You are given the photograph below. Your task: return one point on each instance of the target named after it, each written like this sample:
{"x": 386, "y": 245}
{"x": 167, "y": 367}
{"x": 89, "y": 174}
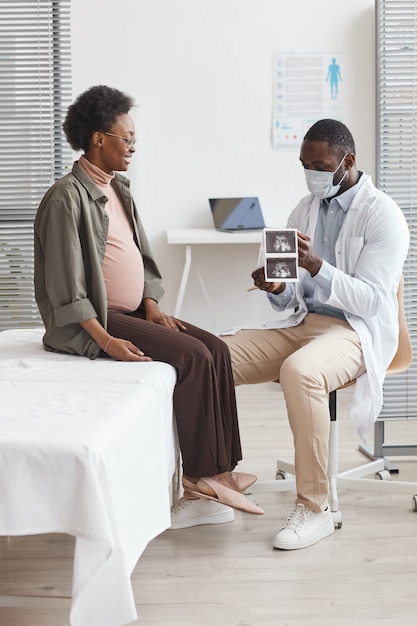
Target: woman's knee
{"x": 211, "y": 347}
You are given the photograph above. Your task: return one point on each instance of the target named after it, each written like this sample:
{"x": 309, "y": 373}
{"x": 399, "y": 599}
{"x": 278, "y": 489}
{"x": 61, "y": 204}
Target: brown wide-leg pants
{"x": 204, "y": 395}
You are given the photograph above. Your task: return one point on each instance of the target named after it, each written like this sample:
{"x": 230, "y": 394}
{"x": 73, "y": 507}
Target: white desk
{"x": 204, "y": 236}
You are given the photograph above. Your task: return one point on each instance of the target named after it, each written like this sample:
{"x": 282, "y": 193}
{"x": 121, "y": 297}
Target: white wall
{"x": 201, "y": 71}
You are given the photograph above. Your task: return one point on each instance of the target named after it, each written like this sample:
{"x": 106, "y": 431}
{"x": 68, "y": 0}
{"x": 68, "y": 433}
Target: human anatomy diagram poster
{"x": 306, "y": 87}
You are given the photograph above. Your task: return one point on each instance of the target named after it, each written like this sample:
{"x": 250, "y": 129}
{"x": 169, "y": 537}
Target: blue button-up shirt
{"x": 331, "y": 216}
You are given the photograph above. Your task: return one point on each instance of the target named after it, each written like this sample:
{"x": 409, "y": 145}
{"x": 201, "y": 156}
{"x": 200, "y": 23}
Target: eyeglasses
{"x": 129, "y": 141}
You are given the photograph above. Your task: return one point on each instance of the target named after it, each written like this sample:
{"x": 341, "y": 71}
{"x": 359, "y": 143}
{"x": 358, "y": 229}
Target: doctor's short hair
{"x": 96, "y": 109}
{"x": 337, "y": 135}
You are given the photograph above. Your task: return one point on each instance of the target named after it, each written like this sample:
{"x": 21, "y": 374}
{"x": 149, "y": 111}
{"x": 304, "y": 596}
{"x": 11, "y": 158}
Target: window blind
{"x": 35, "y": 79}
{"x": 396, "y": 64}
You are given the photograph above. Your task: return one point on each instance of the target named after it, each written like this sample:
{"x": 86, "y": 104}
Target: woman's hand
{"x": 123, "y": 350}
{"x": 155, "y": 315}
{"x": 118, "y": 349}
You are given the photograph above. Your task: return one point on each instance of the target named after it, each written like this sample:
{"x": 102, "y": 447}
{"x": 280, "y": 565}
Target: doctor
{"x": 342, "y": 320}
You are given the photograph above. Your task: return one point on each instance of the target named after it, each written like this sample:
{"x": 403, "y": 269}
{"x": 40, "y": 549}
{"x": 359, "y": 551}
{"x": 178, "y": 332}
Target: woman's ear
{"x": 96, "y": 139}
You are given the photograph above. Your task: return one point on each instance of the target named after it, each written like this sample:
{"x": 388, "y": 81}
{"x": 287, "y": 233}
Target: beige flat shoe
{"x": 207, "y": 486}
{"x": 242, "y": 480}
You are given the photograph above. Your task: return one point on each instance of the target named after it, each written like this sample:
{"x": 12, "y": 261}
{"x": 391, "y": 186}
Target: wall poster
{"x": 306, "y": 87}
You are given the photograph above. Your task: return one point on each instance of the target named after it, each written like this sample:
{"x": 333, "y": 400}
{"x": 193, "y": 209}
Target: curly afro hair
{"x": 337, "y": 135}
{"x": 94, "y": 110}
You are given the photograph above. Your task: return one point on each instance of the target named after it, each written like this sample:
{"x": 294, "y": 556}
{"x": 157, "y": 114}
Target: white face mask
{"x": 320, "y": 184}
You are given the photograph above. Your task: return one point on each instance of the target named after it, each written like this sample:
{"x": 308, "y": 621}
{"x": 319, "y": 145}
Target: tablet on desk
{"x": 236, "y": 214}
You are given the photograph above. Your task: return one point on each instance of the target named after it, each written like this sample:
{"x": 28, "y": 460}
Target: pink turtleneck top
{"x": 122, "y": 264}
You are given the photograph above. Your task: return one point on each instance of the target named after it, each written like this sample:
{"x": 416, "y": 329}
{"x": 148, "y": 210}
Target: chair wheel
{"x": 280, "y": 475}
{"x": 337, "y": 519}
{"x": 383, "y": 475}
{"x": 414, "y": 503}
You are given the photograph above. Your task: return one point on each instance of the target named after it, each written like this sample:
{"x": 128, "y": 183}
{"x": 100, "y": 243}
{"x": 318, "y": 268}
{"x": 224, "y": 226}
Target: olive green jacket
{"x": 71, "y": 228}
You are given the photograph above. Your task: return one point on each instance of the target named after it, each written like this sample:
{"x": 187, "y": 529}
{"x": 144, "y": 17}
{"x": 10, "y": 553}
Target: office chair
{"x": 353, "y": 478}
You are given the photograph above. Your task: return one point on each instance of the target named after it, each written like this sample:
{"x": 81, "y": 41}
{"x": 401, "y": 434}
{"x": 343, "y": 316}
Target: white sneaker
{"x": 186, "y": 513}
{"x": 303, "y": 528}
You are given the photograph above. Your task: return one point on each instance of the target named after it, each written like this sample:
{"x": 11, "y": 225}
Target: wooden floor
{"x": 229, "y": 575}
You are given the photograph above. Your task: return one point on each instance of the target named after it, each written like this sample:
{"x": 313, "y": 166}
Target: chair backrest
{"x": 404, "y": 355}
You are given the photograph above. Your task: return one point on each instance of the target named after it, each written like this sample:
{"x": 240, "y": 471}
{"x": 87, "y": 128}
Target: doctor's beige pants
{"x": 309, "y": 360}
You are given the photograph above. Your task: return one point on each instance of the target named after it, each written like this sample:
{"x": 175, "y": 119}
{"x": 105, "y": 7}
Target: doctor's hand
{"x": 259, "y": 281}
{"x": 307, "y": 258}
